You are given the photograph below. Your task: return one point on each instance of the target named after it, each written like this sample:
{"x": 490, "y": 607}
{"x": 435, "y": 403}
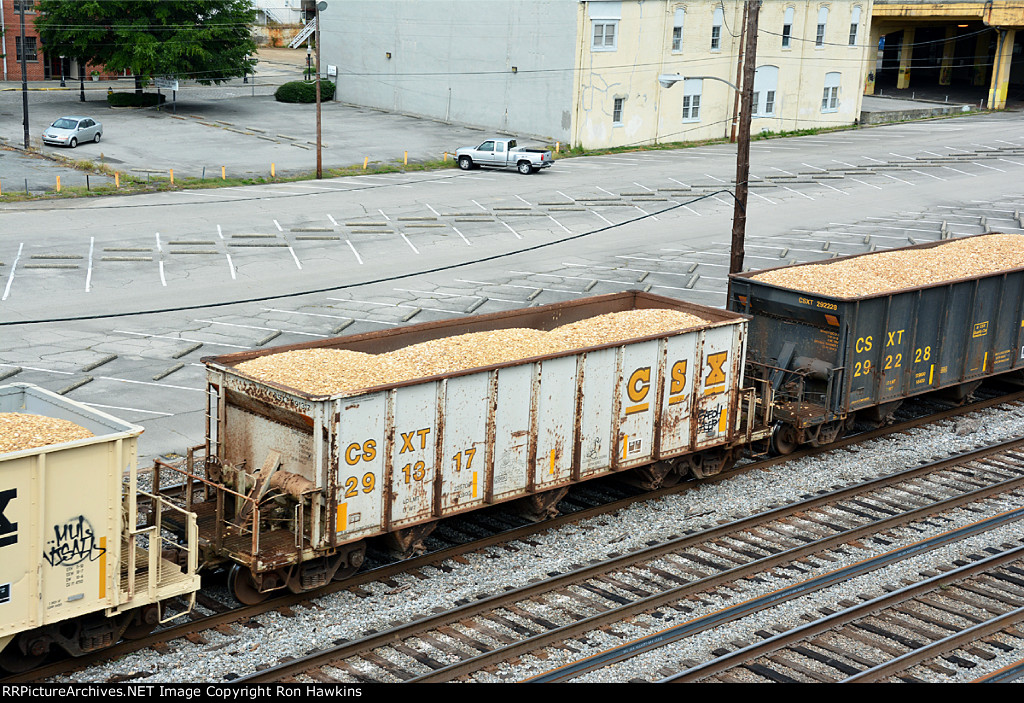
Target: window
{"x": 787, "y": 27}
{"x": 29, "y": 5}
{"x": 604, "y": 36}
{"x": 819, "y": 39}
{"x": 30, "y": 48}
{"x": 830, "y": 98}
{"x": 692, "y": 88}
{"x": 486, "y": 146}
{"x": 677, "y": 30}
{"x": 617, "y": 111}
{"x": 854, "y": 25}
{"x": 716, "y": 29}
{"x": 604, "y": 16}
{"x": 766, "y": 82}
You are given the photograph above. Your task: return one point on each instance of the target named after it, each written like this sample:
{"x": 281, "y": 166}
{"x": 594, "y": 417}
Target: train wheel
{"x": 784, "y": 439}
{"x": 711, "y": 462}
{"x": 541, "y": 506}
{"x": 352, "y": 561}
{"x": 21, "y": 655}
{"x": 660, "y": 474}
{"x": 144, "y": 622}
{"x": 242, "y": 586}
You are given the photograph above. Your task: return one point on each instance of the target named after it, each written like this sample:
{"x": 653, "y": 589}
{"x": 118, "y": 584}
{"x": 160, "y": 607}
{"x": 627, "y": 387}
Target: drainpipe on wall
{"x": 3, "y": 42}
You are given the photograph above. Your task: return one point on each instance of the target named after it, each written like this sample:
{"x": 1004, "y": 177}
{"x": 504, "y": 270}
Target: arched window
{"x": 830, "y": 98}
{"x": 766, "y": 83}
{"x": 819, "y": 39}
{"x": 716, "y": 29}
{"x": 677, "y": 29}
{"x": 787, "y": 27}
{"x": 854, "y": 25}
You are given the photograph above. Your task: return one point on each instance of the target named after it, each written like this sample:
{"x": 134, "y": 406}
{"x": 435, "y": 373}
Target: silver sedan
{"x": 69, "y": 131}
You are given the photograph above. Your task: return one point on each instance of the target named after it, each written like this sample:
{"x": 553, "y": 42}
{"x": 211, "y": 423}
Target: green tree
{"x": 208, "y": 41}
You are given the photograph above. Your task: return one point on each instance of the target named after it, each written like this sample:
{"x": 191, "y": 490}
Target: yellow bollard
{"x": 446, "y": 156}
{"x": 117, "y": 179}
{"x": 172, "y": 176}
{"x": 272, "y": 173}
{"x": 558, "y": 146}
{"x": 222, "y": 176}
{"x": 365, "y": 162}
{"x": 406, "y": 159}
{"x": 58, "y": 184}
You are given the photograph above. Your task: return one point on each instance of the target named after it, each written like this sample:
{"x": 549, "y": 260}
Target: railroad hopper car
{"x": 296, "y": 483}
{"x": 830, "y": 359}
{"x": 77, "y": 572}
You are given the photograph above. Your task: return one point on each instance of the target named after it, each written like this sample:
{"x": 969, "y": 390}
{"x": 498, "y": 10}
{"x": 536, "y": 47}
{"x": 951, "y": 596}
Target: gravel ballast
{"x": 345, "y": 615}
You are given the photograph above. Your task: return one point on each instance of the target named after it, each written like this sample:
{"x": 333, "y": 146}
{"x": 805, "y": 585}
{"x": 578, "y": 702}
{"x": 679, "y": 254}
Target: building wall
{"x": 502, "y": 65}
{"x": 531, "y": 67}
{"x": 651, "y": 113}
{"x": 10, "y": 66}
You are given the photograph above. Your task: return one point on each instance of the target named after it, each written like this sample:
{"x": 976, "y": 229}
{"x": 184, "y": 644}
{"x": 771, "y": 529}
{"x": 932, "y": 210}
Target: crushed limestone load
{"x": 19, "y": 431}
{"x": 889, "y": 271}
{"x": 322, "y": 371}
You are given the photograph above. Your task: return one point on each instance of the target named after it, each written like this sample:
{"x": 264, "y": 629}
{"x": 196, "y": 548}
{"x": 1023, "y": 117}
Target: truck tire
{"x": 465, "y": 163}
{"x": 525, "y": 168}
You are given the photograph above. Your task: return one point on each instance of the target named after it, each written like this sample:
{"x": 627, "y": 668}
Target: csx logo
{"x": 8, "y": 529}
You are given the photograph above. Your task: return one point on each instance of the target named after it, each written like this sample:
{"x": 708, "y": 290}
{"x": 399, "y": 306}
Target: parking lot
{"x": 237, "y": 127}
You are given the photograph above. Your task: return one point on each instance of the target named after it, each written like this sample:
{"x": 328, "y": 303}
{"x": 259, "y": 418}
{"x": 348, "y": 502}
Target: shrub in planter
{"x": 303, "y": 92}
{"x": 135, "y": 99}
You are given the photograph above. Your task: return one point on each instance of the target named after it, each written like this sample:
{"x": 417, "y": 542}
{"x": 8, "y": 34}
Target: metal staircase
{"x": 302, "y": 36}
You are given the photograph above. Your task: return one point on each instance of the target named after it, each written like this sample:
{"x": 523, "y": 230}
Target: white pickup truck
{"x": 503, "y": 153}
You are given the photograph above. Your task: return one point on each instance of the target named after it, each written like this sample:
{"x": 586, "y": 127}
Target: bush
{"x": 135, "y": 99}
{"x": 303, "y": 92}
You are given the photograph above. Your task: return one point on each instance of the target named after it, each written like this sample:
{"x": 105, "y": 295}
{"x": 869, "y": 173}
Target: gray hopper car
{"x": 301, "y": 481}
{"x": 77, "y": 572}
{"x": 831, "y": 359}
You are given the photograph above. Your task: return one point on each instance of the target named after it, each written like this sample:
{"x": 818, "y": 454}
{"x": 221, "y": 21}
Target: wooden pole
{"x": 739, "y": 218}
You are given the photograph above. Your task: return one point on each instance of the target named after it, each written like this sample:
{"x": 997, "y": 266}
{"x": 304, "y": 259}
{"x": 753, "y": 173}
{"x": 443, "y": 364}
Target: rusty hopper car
{"x": 830, "y": 359}
{"x": 75, "y": 572}
{"x": 301, "y": 481}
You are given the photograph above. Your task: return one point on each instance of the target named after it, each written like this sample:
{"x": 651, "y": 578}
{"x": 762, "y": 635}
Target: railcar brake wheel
{"x": 242, "y": 586}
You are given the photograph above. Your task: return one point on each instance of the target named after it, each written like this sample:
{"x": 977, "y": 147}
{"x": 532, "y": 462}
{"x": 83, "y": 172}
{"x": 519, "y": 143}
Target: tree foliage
{"x": 208, "y": 41}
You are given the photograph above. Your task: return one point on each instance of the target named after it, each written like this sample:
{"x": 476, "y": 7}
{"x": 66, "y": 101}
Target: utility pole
{"x": 739, "y": 76}
{"x": 319, "y": 156}
{"x": 24, "y": 77}
{"x": 739, "y": 217}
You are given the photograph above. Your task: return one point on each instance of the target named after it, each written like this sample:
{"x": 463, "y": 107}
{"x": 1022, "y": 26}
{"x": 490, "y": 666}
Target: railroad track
{"x": 226, "y": 618}
{"x": 974, "y": 608}
{"x": 558, "y": 614}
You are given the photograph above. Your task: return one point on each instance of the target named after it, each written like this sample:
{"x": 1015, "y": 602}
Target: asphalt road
{"x": 116, "y": 300}
{"x": 236, "y": 126}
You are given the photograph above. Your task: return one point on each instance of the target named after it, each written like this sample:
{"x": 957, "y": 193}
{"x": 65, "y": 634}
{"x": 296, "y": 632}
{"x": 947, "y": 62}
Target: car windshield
{"x": 65, "y": 123}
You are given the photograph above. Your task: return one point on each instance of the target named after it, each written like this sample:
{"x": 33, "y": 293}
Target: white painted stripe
{"x": 130, "y": 410}
{"x": 10, "y": 277}
{"x": 88, "y": 274}
{"x": 179, "y": 339}
{"x": 263, "y": 329}
{"x": 461, "y": 235}
{"x": 160, "y": 251}
{"x": 358, "y": 258}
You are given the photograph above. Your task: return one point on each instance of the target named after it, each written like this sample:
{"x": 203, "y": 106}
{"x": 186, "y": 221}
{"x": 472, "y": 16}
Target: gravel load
{"x": 325, "y": 371}
{"x": 20, "y": 431}
{"x": 898, "y": 269}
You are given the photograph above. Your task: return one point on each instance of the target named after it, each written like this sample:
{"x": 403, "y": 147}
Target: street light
{"x": 62, "y": 83}
{"x": 739, "y": 216}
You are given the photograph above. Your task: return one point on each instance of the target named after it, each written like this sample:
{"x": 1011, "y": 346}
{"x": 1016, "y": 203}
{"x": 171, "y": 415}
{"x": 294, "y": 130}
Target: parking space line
{"x": 179, "y": 339}
{"x": 865, "y": 183}
{"x": 462, "y": 235}
{"x": 35, "y": 368}
{"x": 160, "y": 251}
{"x": 88, "y": 273}
{"x": 560, "y": 224}
{"x": 262, "y": 329}
{"x": 358, "y": 258}
{"x": 798, "y": 192}
{"x": 10, "y": 276}
{"x": 124, "y": 409}
{"x": 333, "y": 317}
{"x": 402, "y": 234}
